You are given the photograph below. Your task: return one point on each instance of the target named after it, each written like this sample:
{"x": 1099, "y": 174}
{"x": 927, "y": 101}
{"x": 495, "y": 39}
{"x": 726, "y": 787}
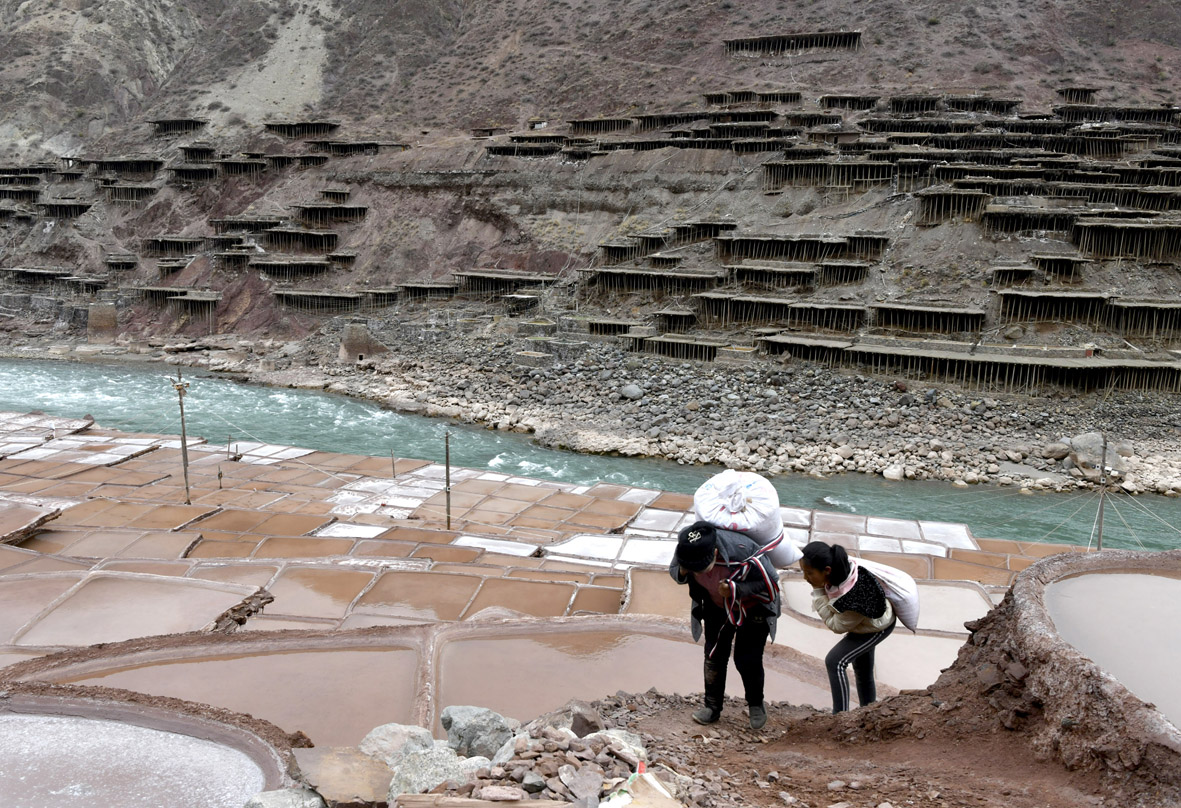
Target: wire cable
{"x": 1045, "y": 535}
{"x": 1131, "y": 532}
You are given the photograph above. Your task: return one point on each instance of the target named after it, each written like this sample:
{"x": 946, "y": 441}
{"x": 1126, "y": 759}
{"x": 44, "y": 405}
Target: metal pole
{"x": 1102, "y": 494}
{"x": 447, "y": 473}
{"x": 181, "y": 388}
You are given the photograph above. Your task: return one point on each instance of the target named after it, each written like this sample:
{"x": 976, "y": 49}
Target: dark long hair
{"x": 820, "y": 555}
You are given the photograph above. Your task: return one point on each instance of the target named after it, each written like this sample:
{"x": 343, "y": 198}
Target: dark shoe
{"x": 707, "y": 715}
{"x": 758, "y": 716}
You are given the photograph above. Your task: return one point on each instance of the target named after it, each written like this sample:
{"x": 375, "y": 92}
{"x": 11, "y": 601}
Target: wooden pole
{"x": 447, "y": 473}
{"x": 181, "y": 388}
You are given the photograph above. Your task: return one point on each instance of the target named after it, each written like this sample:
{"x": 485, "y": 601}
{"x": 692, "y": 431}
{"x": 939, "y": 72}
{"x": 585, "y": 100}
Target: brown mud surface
{"x": 818, "y": 761}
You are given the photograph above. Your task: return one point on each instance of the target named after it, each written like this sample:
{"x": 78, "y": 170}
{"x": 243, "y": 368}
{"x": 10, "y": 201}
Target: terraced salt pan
{"x": 419, "y": 595}
{"x": 588, "y": 664}
{"x": 1127, "y": 624}
{"x": 335, "y": 695}
{"x": 114, "y": 606}
{"x": 61, "y": 762}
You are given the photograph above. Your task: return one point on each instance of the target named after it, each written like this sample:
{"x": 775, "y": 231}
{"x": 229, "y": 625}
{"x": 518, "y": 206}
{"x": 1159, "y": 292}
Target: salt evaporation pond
{"x": 139, "y": 398}
{"x": 64, "y": 761}
{"x": 596, "y": 663}
{"x": 1127, "y": 624}
{"x": 335, "y": 695}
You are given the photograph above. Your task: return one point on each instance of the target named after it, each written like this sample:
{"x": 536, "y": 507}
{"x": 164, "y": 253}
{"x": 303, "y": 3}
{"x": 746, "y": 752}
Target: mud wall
{"x": 1017, "y": 672}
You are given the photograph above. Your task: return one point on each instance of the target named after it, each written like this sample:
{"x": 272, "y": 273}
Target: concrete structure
{"x": 357, "y": 343}
{"x": 102, "y": 323}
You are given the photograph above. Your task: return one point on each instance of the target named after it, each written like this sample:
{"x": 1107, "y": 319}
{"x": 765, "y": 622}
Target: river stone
{"x": 419, "y": 772}
{"x": 631, "y": 391}
{"x": 510, "y": 748}
{"x": 533, "y": 782}
{"x": 894, "y": 472}
{"x": 1055, "y": 451}
{"x": 477, "y": 730}
{"x": 583, "y": 783}
{"x": 389, "y": 743}
{"x": 286, "y": 798}
{"x": 498, "y": 793}
{"x": 578, "y": 716}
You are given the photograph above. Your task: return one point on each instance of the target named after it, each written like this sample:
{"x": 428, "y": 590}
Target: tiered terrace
{"x": 101, "y": 524}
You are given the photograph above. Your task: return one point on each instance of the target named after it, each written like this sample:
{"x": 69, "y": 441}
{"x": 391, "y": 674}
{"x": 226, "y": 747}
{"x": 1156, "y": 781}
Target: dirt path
{"x": 805, "y": 758}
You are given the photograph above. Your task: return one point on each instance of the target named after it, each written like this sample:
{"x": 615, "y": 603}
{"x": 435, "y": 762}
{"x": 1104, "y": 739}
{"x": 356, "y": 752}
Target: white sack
{"x": 748, "y": 503}
{"x": 900, "y": 590}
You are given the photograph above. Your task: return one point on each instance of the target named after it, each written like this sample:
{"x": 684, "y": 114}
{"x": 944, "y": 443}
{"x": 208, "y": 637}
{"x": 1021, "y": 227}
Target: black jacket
{"x": 755, "y": 581}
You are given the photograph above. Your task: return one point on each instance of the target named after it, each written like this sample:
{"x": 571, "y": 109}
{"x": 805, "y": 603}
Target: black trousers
{"x": 858, "y": 650}
{"x": 748, "y": 641}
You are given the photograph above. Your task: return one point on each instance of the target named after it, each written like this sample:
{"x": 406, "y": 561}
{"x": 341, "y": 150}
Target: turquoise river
{"x": 140, "y": 398}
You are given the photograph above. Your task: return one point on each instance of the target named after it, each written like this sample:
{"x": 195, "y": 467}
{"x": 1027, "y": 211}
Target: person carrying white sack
{"x": 851, "y": 601}
{"x": 746, "y": 502}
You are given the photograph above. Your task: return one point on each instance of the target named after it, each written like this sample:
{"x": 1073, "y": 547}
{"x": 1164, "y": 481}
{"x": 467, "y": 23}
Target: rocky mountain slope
{"x": 85, "y": 79}
{"x": 82, "y": 73}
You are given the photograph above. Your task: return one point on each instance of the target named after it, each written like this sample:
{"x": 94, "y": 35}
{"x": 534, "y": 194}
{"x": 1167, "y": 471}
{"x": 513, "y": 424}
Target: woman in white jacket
{"x": 850, "y": 601}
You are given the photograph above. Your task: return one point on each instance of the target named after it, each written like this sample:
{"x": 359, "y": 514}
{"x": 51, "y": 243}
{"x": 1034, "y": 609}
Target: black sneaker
{"x": 706, "y": 715}
{"x": 758, "y": 716}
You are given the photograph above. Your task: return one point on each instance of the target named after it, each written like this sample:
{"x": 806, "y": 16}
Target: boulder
{"x": 477, "y": 730}
{"x": 1087, "y": 451}
{"x": 514, "y": 745}
{"x": 577, "y": 716}
{"x": 419, "y": 772}
{"x": 584, "y": 783}
{"x": 343, "y": 775}
{"x": 389, "y": 743}
{"x": 1056, "y": 450}
{"x": 631, "y": 391}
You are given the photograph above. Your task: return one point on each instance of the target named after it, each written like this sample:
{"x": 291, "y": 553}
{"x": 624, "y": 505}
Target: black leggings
{"x": 748, "y": 640}
{"x": 858, "y": 650}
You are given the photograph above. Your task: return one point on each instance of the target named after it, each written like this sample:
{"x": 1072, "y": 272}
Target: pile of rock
{"x": 566, "y": 756}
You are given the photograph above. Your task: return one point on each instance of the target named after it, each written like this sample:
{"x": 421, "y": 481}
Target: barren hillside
{"x": 79, "y": 73}
{"x": 398, "y": 89}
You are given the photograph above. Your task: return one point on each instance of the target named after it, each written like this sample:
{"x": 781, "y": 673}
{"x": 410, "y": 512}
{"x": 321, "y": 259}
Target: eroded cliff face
{"x": 75, "y": 71}
{"x": 437, "y": 208}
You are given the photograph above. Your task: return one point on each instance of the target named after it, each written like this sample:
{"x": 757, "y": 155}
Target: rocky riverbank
{"x": 770, "y": 418}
